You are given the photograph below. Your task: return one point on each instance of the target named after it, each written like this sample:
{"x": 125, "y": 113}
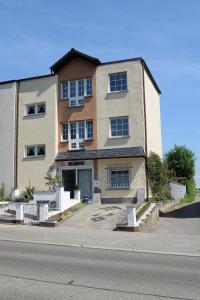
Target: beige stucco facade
{"x": 7, "y": 134}
{"x": 120, "y": 104}
{"x": 137, "y": 177}
{"x": 154, "y": 139}
{"x": 37, "y": 130}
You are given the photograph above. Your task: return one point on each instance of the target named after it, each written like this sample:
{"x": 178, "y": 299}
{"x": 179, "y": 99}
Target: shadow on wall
{"x": 117, "y": 142}
{"x": 39, "y": 85}
{"x": 115, "y": 96}
{"x": 187, "y": 212}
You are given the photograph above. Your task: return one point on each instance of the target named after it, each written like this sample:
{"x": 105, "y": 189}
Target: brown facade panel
{"x": 76, "y": 69}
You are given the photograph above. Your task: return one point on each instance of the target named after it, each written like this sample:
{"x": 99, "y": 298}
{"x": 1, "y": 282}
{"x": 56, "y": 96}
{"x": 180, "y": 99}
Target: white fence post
{"x": 43, "y": 212}
{"x": 131, "y": 212}
{"x": 77, "y": 195}
{"x": 19, "y": 212}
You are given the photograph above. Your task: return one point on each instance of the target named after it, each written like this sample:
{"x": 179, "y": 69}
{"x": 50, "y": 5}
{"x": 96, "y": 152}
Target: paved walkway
{"x": 96, "y": 216}
{"x": 184, "y": 220}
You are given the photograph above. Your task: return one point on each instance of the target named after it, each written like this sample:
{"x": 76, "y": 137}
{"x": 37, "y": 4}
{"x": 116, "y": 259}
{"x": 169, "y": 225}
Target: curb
{"x": 103, "y": 248}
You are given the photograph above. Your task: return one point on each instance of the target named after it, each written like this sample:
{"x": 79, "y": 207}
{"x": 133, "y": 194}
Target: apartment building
{"x": 92, "y": 122}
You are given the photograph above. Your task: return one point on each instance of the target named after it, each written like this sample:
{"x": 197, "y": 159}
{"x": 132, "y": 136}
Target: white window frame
{"x": 114, "y": 74}
{"x": 76, "y": 100}
{"x": 35, "y": 105}
{"x": 110, "y": 127}
{"x": 35, "y": 149}
{"x": 77, "y": 140}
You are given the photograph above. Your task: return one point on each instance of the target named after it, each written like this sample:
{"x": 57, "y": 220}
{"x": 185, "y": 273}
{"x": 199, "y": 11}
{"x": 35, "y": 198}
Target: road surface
{"x": 36, "y": 271}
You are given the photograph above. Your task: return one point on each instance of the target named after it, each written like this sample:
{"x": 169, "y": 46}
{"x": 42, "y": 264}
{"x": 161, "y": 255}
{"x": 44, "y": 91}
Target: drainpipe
{"x": 16, "y": 136}
{"x": 145, "y": 126}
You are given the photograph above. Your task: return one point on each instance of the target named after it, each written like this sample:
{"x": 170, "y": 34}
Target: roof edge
{"x": 26, "y": 78}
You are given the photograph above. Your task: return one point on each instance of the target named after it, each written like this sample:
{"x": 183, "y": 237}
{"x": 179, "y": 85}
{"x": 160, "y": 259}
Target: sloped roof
{"x": 73, "y": 53}
{"x": 101, "y": 154}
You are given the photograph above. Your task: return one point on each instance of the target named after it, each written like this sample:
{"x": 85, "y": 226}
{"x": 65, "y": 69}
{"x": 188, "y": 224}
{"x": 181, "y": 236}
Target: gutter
{"x": 145, "y": 126}
{"x": 16, "y": 135}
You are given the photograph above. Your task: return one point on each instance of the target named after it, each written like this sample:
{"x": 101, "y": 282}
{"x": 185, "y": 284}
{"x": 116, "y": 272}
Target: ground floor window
{"x": 118, "y": 176}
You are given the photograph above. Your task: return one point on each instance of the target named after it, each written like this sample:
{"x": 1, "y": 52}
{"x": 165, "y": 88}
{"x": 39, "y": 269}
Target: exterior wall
{"x": 77, "y": 69}
{"x": 154, "y": 139}
{"x": 118, "y": 104}
{"x": 137, "y": 177}
{"x": 7, "y": 134}
{"x": 34, "y": 130}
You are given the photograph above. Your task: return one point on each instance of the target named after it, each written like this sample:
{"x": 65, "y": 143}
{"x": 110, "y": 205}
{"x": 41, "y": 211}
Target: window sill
{"x": 64, "y": 141}
{"x": 117, "y": 92}
{"x": 36, "y": 116}
{"x": 75, "y": 106}
{"x": 119, "y": 137}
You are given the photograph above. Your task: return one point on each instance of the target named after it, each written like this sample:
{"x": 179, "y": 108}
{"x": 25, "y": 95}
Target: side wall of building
{"x": 154, "y": 138}
{"x": 119, "y": 104}
{"x": 37, "y": 130}
{"x": 7, "y": 134}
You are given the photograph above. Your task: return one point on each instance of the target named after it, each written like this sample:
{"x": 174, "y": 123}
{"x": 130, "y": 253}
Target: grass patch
{"x": 142, "y": 209}
{"x": 187, "y": 199}
{"x": 69, "y": 213}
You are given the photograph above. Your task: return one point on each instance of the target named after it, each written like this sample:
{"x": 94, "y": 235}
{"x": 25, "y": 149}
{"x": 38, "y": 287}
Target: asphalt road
{"x": 35, "y": 271}
{"x": 184, "y": 220}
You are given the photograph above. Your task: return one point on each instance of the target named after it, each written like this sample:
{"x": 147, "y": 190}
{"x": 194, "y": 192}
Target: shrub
{"x": 27, "y": 195}
{"x": 158, "y": 178}
{"x": 191, "y": 189}
{"x": 53, "y": 181}
{"x": 3, "y": 195}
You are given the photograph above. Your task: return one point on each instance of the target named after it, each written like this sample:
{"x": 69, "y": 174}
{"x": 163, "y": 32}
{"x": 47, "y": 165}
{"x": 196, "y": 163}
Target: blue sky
{"x": 34, "y": 34}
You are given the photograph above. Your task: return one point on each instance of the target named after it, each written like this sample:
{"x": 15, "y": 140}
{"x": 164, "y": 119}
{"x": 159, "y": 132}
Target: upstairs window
{"x": 118, "y": 82}
{"x": 65, "y": 131}
{"x": 76, "y": 90}
{"x": 35, "y": 151}
{"x": 35, "y": 109}
{"x": 119, "y": 127}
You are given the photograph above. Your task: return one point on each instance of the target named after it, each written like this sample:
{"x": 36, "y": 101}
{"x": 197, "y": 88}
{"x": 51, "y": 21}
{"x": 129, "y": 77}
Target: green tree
{"x": 53, "y": 181}
{"x": 158, "y": 177}
{"x": 181, "y": 162}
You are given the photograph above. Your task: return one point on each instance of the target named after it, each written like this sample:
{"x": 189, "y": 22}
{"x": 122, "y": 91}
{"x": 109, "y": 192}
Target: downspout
{"x": 16, "y": 136}
{"x": 145, "y": 128}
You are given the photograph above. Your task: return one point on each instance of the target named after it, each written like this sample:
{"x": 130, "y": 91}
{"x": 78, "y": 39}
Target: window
{"x": 77, "y": 132}
{"x": 76, "y": 90}
{"x": 65, "y": 131}
{"x": 118, "y": 176}
{"x": 89, "y": 129}
{"x": 119, "y": 127}
{"x": 118, "y": 82}
{"x": 35, "y": 109}
{"x": 119, "y": 179}
{"x": 35, "y": 151}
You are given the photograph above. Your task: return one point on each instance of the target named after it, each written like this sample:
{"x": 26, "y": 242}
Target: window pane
{"x": 89, "y": 86}
{"x": 41, "y": 108}
{"x": 64, "y": 90}
{"x": 81, "y": 129}
{"x": 72, "y": 88}
{"x": 65, "y": 131}
{"x": 40, "y": 150}
{"x": 81, "y": 87}
{"x": 73, "y": 131}
{"x": 31, "y": 110}
{"x": 118, "y": 82}
{"x": 30, "y": 151}
{"x": 89, "y": 129}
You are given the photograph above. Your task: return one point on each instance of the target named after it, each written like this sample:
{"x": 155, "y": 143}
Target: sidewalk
{"x": 153, "y": 242}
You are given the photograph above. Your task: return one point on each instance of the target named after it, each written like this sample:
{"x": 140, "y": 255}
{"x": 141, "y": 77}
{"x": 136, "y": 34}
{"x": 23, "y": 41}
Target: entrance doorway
{"x": 78, "y": 177}
{"x": 69, "y": 181}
